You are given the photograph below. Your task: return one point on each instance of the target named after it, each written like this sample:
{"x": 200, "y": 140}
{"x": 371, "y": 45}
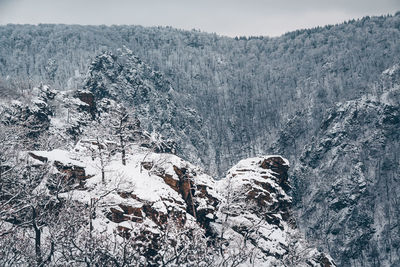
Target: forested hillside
{"x": 243, "y": 88}
{"x": 325, "y": 98}
{"x": 346, "y": 176}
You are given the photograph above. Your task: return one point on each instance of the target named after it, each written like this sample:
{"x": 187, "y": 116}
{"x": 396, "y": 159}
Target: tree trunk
{"x": 121, "y": 140}
{"x": 38, "y": 250}
{"x": 103, "y": 178}
{"x": 91, "y": 217}
{"x": 123, "y": 157}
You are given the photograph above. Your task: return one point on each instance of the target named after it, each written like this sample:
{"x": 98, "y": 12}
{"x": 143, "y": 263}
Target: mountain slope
{"x": 346, "y": 182}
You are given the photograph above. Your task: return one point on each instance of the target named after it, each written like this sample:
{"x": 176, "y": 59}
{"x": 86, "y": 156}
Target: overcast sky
{"x": 226, "y": 17}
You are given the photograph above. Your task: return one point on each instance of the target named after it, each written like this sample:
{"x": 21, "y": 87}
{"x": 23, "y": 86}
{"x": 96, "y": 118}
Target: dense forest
{"x": 244, "y": 88}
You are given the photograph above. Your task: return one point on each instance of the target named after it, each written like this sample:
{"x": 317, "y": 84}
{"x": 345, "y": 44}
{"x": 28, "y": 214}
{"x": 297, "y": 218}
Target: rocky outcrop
{"x": 124, "y": 78}
{"x": 257, "y": 207}
{"x": 249, "y": 211}
{"x": 74, "y": 173}
{"x": 87, "y": 98}
{"x": 200, "y": 199}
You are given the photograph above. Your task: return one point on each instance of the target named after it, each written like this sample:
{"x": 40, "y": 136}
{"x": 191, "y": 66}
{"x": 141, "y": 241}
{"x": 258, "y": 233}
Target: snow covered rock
{"x": 246, "y": 217}
{"x": 256, "y": 207}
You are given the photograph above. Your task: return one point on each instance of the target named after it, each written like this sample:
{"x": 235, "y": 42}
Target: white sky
{"x": 226, "y": 17}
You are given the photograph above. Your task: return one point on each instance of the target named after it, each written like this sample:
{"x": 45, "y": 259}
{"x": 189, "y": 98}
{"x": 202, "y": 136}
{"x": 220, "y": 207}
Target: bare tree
{"x": 27, "y": 206}
{"x": 121, "y": 130}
